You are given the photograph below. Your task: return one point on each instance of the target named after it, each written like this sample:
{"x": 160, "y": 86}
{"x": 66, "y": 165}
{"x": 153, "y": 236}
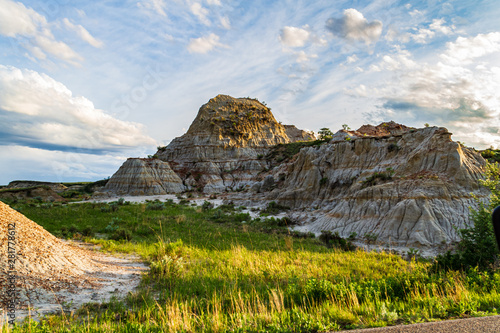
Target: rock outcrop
{"x": 224, "y": 146}
{"x": 405, "y": 186}
{"x": 144, "y": 176}
{"x": 39, "y": 192}
{"x": 22, "y": 184}
{"x": 408, "y": 187}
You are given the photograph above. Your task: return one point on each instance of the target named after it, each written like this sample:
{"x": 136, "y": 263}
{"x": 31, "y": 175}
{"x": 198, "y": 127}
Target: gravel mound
{"x": 48, "y": 269}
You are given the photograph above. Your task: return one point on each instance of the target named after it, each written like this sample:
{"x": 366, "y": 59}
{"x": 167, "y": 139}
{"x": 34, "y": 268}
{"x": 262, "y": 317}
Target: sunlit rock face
{"x": 143, "y": 176}
{"x": 408, "y": 187}
{"x": 224, "y": 146}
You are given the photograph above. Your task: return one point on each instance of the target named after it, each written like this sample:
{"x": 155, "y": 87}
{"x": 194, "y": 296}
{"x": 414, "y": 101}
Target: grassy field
{"x": 217, "y": 270}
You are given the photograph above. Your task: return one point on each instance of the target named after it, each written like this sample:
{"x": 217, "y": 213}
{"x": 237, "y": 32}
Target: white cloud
{"x": 157, "y": 6}
{"x": 302, "y": 56}
{"x": 225, "y": 23}
{"x": 465, "y": 50}
{"x": 18, "y": 163}
{"x": 438, "y": 26}
{"x": 294, "y": 37}
{"x": 38, "y": 111}
{"x": 456, "y": 92}
{"x": 352, "y": 59}
{"x": 200, "y": 12}
{"x": 423, "y": 35}
{"x": 354, "y": 26}
{"x": 204, "y": 44}
{"x": 83, "y": 34}
{"x": 416, "y": 13}
{"x": 214, "y": 2}
{"x": 18, "y": 21}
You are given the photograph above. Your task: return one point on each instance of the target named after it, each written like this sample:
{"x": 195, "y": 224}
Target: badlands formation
{"x": 404, "y": 186}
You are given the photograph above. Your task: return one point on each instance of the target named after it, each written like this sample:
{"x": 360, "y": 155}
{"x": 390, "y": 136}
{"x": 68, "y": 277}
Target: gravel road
{"x": 470, "y": 325}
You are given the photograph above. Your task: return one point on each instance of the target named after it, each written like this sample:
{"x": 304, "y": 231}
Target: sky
{"x": 86, "y": 84}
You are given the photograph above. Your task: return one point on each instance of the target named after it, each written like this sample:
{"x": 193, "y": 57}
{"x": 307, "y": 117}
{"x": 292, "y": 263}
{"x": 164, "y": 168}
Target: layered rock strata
{"x": 224, "y": 146}
{"x": 143, "y": 176}
{"x": 404, "y": 186}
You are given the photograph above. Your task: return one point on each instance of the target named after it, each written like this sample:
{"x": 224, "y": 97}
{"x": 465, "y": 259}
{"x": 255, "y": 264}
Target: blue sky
{"x": 86, "y": 84}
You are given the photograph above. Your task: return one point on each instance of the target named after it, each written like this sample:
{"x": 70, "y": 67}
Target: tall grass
{"x": 224, "y": 275}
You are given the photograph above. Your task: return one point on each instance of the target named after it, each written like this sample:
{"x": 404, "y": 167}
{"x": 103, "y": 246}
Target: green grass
{"x": 212, "y": 272}
{"x": 285, "y": 151}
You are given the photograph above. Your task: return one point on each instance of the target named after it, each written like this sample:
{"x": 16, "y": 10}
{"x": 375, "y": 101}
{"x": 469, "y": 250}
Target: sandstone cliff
{"x": 142, "y": 176}
{"x": 404, "y": 186}
{"x": 224, "y": 145}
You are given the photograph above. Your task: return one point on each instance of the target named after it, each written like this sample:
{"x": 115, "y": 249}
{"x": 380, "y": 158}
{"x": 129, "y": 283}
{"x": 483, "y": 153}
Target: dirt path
{"x": 120, "y": 275}
{"x": 470, "y": 325}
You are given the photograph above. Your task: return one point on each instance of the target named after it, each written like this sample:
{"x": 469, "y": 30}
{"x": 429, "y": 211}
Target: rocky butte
{"x": 402, "y": 186}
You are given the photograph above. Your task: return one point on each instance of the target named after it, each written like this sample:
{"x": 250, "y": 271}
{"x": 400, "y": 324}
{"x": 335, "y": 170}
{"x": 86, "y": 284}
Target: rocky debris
{"x": 142, "y": 176}
{"x": 224, "y": 146}
{"x": 407, "y": 189}
{"x": 41, "y": 192}
{"x": 50, "y": 271}
{"x": 22, "y": 184}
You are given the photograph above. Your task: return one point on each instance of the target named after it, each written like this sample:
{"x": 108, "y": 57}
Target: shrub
{"x": 70, "y": 194}
{"x": 371, "y": 237}
{"x": 300, "y": 234}
{"x": 112, "y": 226}
{"x": 274, "y": 208}
{"x": 478, "y": 247}
{"x": 393, "y": 147}
{"x": 88, "y": 231}
{"x": 383, "y": 176}
{"x": 325, "y": 134}
{"x": 207, "y": 205}
{"x": 155, "y": 206}
{"x": 121, "y": 234}
{"x": 334, "y": 240}
{"x": 323, "y": 181}
{"x": 111, "y": 207}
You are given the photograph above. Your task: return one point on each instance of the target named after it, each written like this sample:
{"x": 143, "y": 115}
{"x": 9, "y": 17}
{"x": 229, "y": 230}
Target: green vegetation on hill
{"x": 285, "y": 151}
{"x": 492, "y": 155}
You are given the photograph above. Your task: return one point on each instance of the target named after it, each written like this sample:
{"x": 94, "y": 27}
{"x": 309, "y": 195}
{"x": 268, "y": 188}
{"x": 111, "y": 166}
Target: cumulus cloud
{"x": 156, "y": 6}
{"x": 294, "y": 37}
{"x": 37, "y": 111}
{"x": 355, "y": 27}
{"x": 18, "y": 21}
{"x": 83, "y": 33}
{"x": 204, "y": 44}
{"x": 465, "y": 50}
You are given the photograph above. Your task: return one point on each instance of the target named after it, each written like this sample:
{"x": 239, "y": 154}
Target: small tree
{"x": 325, "y": 134}
{"x": 478, "y": 246}
{"x": 345, "y": 127}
